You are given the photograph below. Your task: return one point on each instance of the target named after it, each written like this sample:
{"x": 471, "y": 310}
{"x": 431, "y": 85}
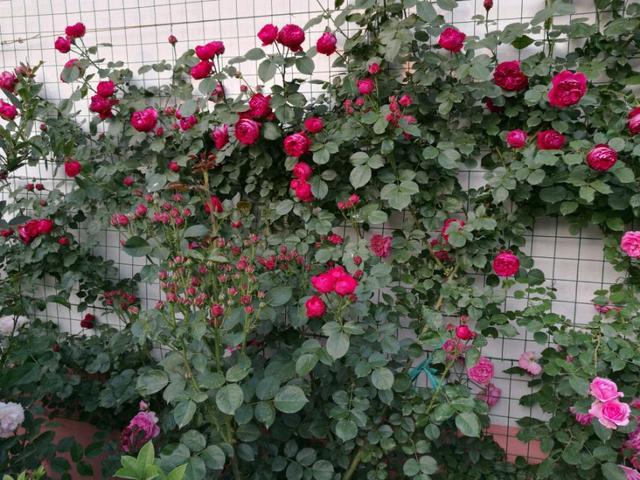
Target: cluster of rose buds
{"x": 351, "y": 202}
{"x": 120, "y": 298}
{"x": 72, "y": 32}
{"x": 439, "y": 245}
{"x": 335, "y": 280}
{"x": 7, "y": 111}
{"x": 32, "y": 229}
{"x": 205, "y": 54}
{"x": 104, "y": 100}
{"x": 302, "y": 172}
{"x": 397, "y": 112}
{"x": 30, "y": 187}
{"x": 290, "y": 36}
{"x": 282, "y": 261}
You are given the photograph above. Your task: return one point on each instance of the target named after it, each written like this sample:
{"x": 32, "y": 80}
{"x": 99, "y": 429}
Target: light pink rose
{"x": 581, "y": 418}
{"x": 482, "y": 371}
{"x": 527, "y": 361}
{"x": 611, "y": 414}
{"x": 630, "y": 473}
{"x": 490, "y": 395}
{"x": 630, "y": 244}
{"x": 604, "y": 389}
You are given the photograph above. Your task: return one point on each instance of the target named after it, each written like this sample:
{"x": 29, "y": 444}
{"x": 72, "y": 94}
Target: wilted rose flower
{"x": 509, "y": 76}
{"x": 527, "y": 362}
{"x": 291, "y": 36}
{"x": 482, "y": 371}
{"x": 142, "y": 428}
{"x": 11, "y": 417}
{"x": 490, "y": 395}
{"x": 581, "y": 418}
{"x": 550, "y": 140}
{"x": 452, "y": 39}
{"x": 602, "y": 157}
{"x": 567, "y": 89}
{"x": 327, "y": 43}
{"x": 76, "y": 31}
{"x": 506, "y": 264}
{"x": 247, "y": 131}
{"x": 630, "y": 244}
{"x": 268, "y": 34}
{"x": 453, "y": 224}
{"x": 380, "y": 245}
{"x": 517, "y": 138}
{"x": 144, "y": 120}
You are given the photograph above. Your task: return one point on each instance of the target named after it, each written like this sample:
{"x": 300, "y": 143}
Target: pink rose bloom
{"x": 72, "y": 168}
{"x": 634, "y": 121}
{"x": 633, "y": 440}
{"x": 106, "y": 88}
{"x": 291, "y": 36}
{"x": 268, "y": 34}
{"x": 75, "y": 31}
{"x": 490, "y": 395}
{"x": 581, "y": 418}
{"x": 102, "y": 106}
{"x": 247, "y": 131}
{"x": 454, "y": 348}
{"x": 142, "y": 428}
{"x": 346, "y": 285}
{"x": 374, "y": 68}
{"x": 506, "y": 264}
{"x": 303, "y": 191}
{"x": 187, "y": 123}
{"x": 550, "y": 140}
{"x": 602, "y": 157}
{"x": 8, "y": 81}
{"x": 366, "y": 86}
{"x": 315, "y": 307}
{"x": 297, "y": 144}
{"x": 527, "y": 361}
{"x": 567, "y": 89}
{"x": 611, "y": 414}
{"x": 62, "y": 44}
{"x": 630, "y": 473}
{"x": 144, "y": 120}
{"x": 482, "y": 371}
{"x": 517, "y": 138}
{"x": 201, "y": 70}
{"x": 327, "y": 43}
{"x": 630, "y": 244}
{"x": 452, "y": 39}
{"x": 603, "y": 389}
{"x": 509, "y": 76}
{"x": 210, "y": 50}
{"x": 7, "y": 111}
{"x": 220, "y": 136}
{"x": 314, "y": 124}
{"x": 302, "y": 171}
{"x": 380, "y": 245}
{"x": 323, "y": 283}
{"x": 260, "y": 105}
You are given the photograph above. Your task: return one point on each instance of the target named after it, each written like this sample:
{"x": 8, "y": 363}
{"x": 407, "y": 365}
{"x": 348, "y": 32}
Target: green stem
{"x": 357, "y": 458}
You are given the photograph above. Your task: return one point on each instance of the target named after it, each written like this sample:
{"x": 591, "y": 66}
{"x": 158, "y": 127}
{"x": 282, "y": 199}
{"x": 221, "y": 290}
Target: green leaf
{"x": 290, "y": 399}
{"x": 382, "y": 378}
{"x": 229, "y": 398}
{"x": 214, "y": 457}
{"x": 254, "y": 54}
{"x": 305, "y": 65}
{"x": 579, "y": 385}
{"x": 177, "y": 473}
{"x": 360, "y": 176}
{"x": 196, "y": 231}
{"x": 306, "y": 363}
{"x": 611, "y": 471}
{"x": 468, "y": 424}
{"x": 522, "y": 42}
{"x": 337, "y": 345}
{"x": 284, "y": 207}
{"x": 625, "y": 175}
{"x": 137, "y": 247}
{"x": 426, "y": 12}
{"x": 183, "y": 413}
{"x": 278, "y": 296}
{"x": 322, "y": 470}
{"x": 266, "y": 70}
{"x": 346, "y": 430}
{"x": 447, "y": 4}
{"x": 151, "y": 382}
{"x": 377, "y": 217}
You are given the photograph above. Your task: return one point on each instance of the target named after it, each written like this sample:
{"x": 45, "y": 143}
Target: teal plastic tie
{"x": 426, "y": 368}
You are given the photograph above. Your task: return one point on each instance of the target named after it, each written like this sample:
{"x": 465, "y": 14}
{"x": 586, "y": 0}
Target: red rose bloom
{"x": 76, "y": 31}
{"x": 303, "y": 191}
{"x": 302, "y": 171}
{"x": 550, "y": 140}
{"x": 268, "y": 34}
{"x": 602, "y": 158}
{"x": 314, "y": 124}
{"x": 452, "y": 39}
{"x": 463, "y": 332}
{"x": 7, "y": 111}
{"x": 204, "y": 52}
{"x": 102, "y": 106}
{"x": 8, "y": 81}
{"x": 346, "y": 285}
{"x": 323, "y": 283}
{"x": 88, "y": 321}
{"x": 488, "y": 5}
{"x": 220, "y": 136}
{"x": 374, "y": 68}
{"x": 315, "y": 307}
{"x": 45, "y": 226}
{"x": 567, "y": 89}
{"x": 509, "y": 76}
{"x": 291, "y": 36}
{"x": 380, "y": 245}
{"x": 214, "y": 204}
{"x": 63, "y": 241}
{"x": 259, "y": 106}
{"x": 247, "y": 131}
{"x": 201, "y": 70}
{"x": 506, "y": 264}
{"x": 72, "y": 168}
{"x": 327, "y": 43}
{"x": 62, "y": 44}
{"x": 517, "y": 138}
{"x": 144, "y": 120}
{"x": 188, "y": 122}
{"x": 634, "y": 121}
{"x": 297, "y": 144}
{"x": 492, "y": 107}
{"x": 366, "y": 86}
{"x": 106, "y": 88}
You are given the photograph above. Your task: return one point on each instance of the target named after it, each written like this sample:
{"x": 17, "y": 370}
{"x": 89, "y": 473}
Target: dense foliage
{"x": 293, "y": 238}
